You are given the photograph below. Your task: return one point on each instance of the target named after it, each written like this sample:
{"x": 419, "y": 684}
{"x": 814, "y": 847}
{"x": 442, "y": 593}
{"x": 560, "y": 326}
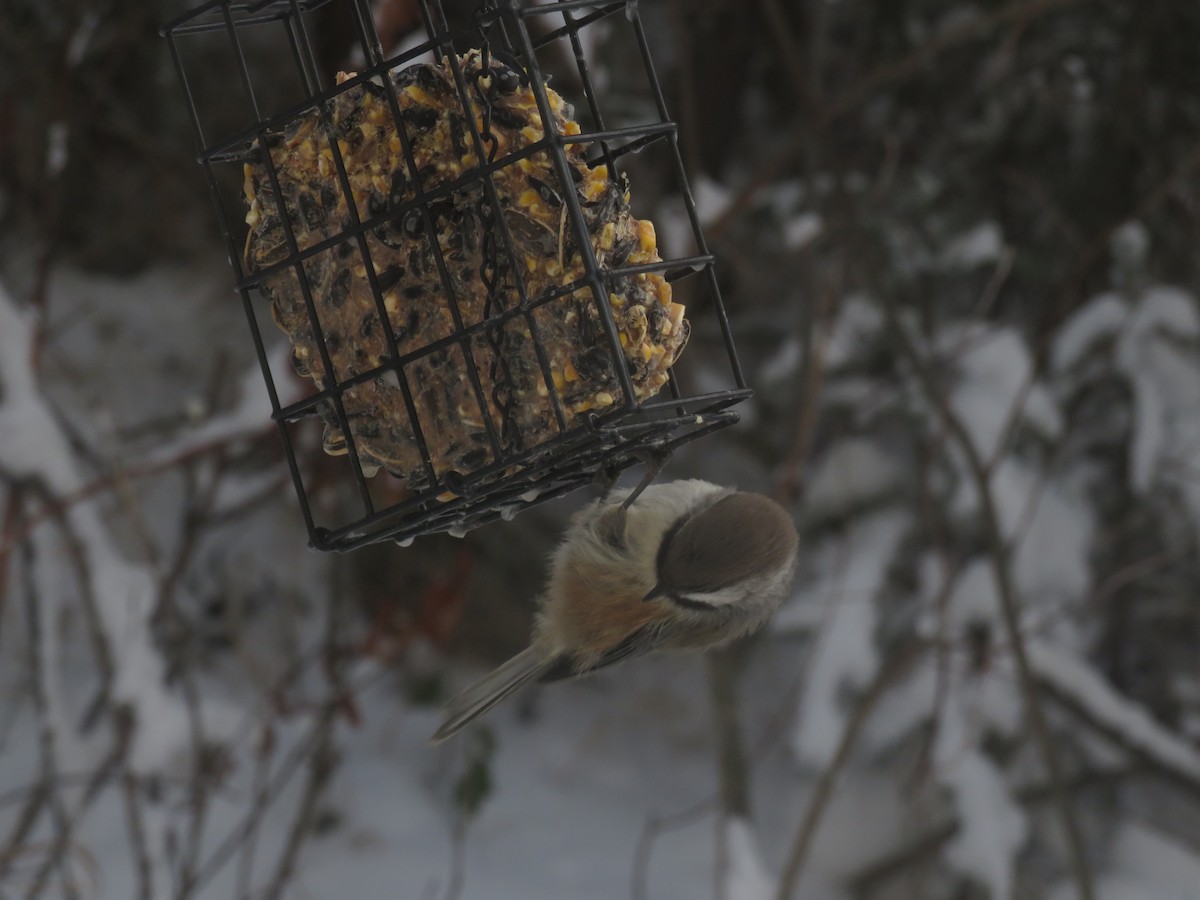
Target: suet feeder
{"x": 480, "y": 319}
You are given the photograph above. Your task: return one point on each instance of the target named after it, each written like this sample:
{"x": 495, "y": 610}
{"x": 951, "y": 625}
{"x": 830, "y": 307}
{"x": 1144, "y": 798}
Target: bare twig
{"x": 320, "y": 767}
{"x": 137, "y": 835}
{"x": 884, "y": 678}
{"x": 731, "y": 755}
{"x": 1125, "y": 723}
{"x": 873, "y": 876}
{"x": 653, "y": 827}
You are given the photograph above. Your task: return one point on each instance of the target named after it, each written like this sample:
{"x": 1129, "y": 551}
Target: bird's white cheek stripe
{"x": 723, "y": 597}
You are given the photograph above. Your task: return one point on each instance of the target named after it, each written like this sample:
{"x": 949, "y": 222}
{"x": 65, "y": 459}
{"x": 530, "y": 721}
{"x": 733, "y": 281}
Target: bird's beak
{"x": 655, "y": 592}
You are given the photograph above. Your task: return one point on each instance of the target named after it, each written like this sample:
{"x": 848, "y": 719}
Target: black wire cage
{"x": 501, "y": 405}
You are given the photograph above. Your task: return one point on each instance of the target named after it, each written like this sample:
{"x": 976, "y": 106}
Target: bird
{"x": 683, "y": 565}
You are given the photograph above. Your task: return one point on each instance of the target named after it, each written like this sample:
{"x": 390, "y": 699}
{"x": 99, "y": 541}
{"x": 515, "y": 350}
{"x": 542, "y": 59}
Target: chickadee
{"x": 687, "y": 566}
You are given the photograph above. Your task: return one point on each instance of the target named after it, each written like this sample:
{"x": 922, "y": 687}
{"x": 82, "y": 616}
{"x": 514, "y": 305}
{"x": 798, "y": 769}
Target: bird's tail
{"x": 499, "y": 684}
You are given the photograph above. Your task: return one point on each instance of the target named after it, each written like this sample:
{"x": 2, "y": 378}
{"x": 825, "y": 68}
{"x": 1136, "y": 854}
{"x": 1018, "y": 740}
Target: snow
{"x": 35, "y": 447}
{"x": 992, "y": 826}
{"x": 1130, "y": 243}
{"x": 1144, "y": 864}
{"x": 784, "y": 362}
{"x": 1050, "y": 529}
{"x": 712, "y": 199}
{"x": 993, "y": 369}
{"x": 802, "y": 229}
{"x": 1099, "y": 319}
{"x": 580, "y": 768}
{"x": 57, "y": 150}
{"x": 859, "y": 321}
{"x": 746, "y": 876}
{"x": 849, "y": 573}
{"x": 852, "y": 473}
{"x": 978, "y": 246}
{"x": 1070, "y": 676}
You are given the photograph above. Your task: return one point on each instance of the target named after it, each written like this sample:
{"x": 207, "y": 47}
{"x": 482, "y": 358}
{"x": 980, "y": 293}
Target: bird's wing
{"x": 645, "y": 639}
{"x": 497, "y": 685}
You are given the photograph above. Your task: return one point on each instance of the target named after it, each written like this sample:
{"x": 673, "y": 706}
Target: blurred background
{"x": 956, "y": 241}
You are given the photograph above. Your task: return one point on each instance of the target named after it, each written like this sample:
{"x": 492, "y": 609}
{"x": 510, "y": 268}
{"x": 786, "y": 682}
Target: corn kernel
{"x": 569, "y": 372}
{"x": 528, "y": 197}
{"x": 604, "y": 398}
{"x": 606, "y": 236}
{"x": 646, "y": 236}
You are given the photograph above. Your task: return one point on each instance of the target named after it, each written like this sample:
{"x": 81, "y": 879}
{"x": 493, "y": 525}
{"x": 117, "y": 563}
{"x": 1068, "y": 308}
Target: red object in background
{"x": 433, "y": 615}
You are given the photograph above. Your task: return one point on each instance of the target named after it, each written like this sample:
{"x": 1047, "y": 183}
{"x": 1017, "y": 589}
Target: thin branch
{"x": 137, "y": 834}
{"x": 101, "y": 777}
{"x": 884, "y": 678}
{"x": 731, "y": 754}
{"x": 654, "y": 826}
{"x": 870, "y": 878}
{"x": 320, "y": 767}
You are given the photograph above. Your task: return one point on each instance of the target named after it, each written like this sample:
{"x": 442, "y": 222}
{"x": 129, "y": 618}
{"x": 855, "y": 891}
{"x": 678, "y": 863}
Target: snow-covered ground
{"x": 608, "y": 788}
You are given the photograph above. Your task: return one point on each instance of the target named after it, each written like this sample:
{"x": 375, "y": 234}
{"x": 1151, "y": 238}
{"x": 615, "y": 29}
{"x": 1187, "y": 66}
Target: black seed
{"x": 388, "y": 235}
{"x": 424, "y": 76}
{"x": 414, "y": 292}
{"x": 421, "y": 118}
{"x": 399, "y": 189}
{"x": 505, "y": 81}
{"x": 333, "y": 341}
{"x": 310, "y": 210}
{"x": 414, "y": 319}
{"x": 458, "y": 136}
{"x": 377, "y": 203}
{"x": 593, "y": 362}
{"x": 367, "y": 325}
{"x": 344, "y": 249}
{"x": 621, "y": 251}
{"x": 389, "y": 276}
{"x": 547, "y": 193}
{"x": 340, "y": 289}
{"x": 656, "y": 317}
{"x": 412, "y": 223}
{"x": 508, "y": 118}
{"x": 474, "y": 459}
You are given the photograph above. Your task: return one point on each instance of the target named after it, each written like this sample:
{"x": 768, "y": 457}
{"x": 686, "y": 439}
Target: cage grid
{"x": 508, "y": 472}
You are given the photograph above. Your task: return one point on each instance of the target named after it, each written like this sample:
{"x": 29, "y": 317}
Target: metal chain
{"x": 492, "y": 270}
